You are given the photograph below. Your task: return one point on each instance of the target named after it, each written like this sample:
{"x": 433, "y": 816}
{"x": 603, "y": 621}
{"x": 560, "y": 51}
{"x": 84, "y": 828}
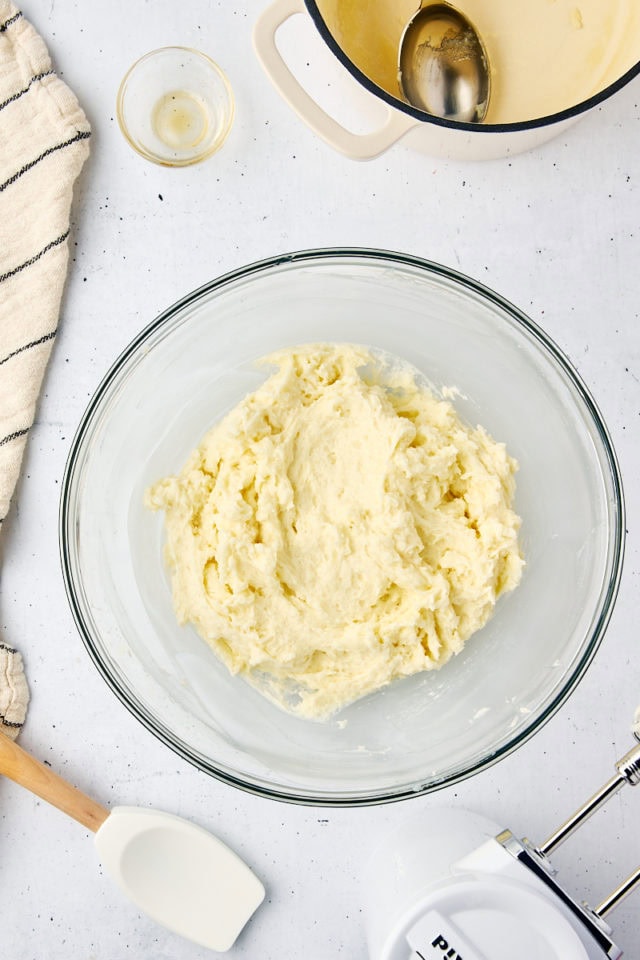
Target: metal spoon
{"x": 443, "y": 66}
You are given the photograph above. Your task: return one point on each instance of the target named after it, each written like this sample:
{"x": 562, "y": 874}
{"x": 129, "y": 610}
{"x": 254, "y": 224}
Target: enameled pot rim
{"x": 483, "y": 128}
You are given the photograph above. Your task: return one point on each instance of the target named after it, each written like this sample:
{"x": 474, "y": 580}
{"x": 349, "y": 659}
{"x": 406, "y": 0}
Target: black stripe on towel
{"x": 7, "y": 23}
{"x": 28, "y": 346}
{"x": 14, "y": 436}
{"x": 80, "y": 135}
{"x": 5, "y": 646}
{"x": 35, "y": 257}
{"x": 10, "y": 723}
{"x": 21, "y": 93}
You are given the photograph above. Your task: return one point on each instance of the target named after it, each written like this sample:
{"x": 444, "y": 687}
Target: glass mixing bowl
{"x": 194, "y": 363}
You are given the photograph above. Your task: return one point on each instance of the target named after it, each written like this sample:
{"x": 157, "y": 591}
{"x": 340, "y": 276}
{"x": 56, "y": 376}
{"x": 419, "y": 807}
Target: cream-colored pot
{"x": 551, "y": 62}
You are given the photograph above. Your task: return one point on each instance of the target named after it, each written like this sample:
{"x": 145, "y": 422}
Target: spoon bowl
{"x": 443, "y": 67}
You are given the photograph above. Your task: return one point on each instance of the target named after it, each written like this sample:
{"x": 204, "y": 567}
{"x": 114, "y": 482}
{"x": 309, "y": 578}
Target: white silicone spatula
{"x": 174, "y": 871}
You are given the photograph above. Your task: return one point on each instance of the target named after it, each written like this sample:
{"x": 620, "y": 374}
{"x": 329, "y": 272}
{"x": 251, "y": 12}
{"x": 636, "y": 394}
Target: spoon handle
{"x": 25, "y": 770}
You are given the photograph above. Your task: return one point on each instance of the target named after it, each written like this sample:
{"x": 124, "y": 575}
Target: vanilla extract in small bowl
{"x": 180, "y": 119}
{"x": 175, "y": 106}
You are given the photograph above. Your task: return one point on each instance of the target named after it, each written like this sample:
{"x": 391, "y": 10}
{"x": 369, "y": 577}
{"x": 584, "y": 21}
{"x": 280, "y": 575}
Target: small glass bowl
{"x": 175, "y": 106}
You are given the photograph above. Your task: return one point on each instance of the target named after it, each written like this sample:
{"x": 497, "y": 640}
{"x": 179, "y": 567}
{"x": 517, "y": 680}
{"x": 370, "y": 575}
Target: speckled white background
{"x": 556, "y": 231}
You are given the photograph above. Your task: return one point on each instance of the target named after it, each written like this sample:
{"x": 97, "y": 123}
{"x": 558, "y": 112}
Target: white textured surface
{"x": 555, "y": 231}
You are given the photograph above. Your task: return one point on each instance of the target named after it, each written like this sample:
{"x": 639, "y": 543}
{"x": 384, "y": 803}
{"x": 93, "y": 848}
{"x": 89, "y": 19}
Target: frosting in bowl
{"x": 340, "y": 528}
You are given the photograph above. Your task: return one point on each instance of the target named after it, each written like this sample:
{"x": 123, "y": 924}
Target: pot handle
{"x": 357, "y": 146}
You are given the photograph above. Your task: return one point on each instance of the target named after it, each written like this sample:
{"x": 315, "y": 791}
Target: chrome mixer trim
{"x": 537, "y": 863}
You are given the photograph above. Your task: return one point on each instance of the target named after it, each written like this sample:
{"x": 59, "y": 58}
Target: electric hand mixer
{"x": 462, "y": 888}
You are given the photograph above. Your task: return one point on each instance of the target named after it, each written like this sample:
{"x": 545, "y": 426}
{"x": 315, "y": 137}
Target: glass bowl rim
{"x": 303, "y": 796}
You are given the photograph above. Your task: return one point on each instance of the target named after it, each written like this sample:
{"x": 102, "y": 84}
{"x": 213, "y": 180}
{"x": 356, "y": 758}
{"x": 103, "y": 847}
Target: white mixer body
{"x": 442, "y": 887}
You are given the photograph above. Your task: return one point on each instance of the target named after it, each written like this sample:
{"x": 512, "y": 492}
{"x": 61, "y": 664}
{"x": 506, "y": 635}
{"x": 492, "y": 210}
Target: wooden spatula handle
{"x": 20, "y": 766}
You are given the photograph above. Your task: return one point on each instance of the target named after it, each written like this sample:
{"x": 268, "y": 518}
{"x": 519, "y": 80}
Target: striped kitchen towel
{"x": 43, "y": 145}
